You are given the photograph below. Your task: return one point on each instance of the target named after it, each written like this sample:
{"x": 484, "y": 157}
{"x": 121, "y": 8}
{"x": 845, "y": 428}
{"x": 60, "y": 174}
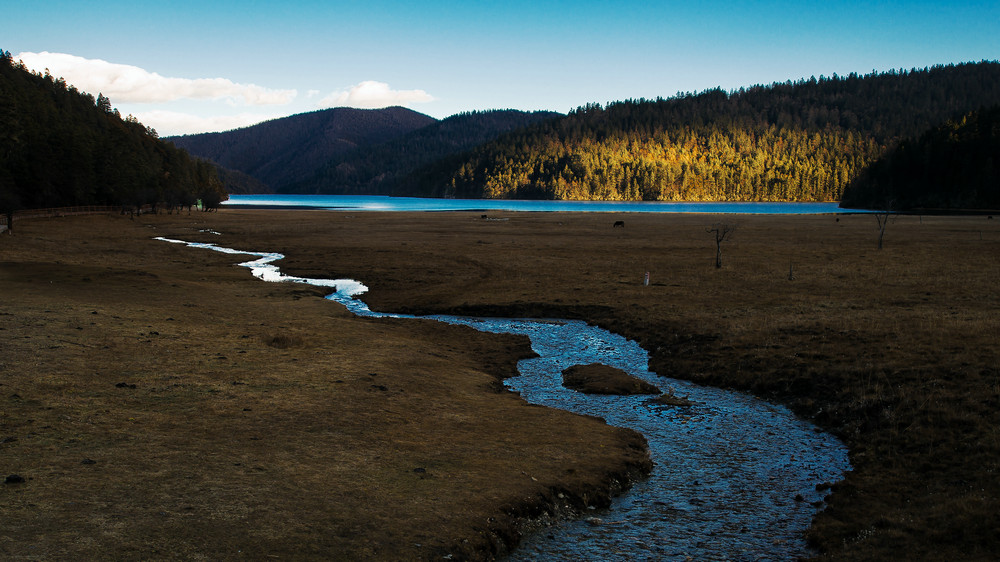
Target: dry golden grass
{"x": 894, "y": 350}
{"x": 162, "y": 403}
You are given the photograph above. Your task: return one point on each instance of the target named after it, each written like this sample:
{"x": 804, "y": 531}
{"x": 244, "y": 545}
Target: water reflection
{"x": 734, "y": 477}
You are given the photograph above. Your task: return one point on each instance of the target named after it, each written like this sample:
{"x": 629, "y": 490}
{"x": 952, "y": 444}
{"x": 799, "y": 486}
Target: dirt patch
{"x": 602, "y": 379}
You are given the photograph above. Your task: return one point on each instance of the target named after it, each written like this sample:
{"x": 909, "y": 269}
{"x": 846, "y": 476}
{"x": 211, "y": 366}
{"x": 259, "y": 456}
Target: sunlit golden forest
{"x": 792, "y": 141}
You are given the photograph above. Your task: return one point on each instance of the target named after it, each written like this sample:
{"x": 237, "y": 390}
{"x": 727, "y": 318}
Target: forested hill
{"x": 289, "y": 150}
{"x": 61, "y": 147}
{"x": 953, "y": 166}
{"x": 801, "y": 141}
{"x": 386, "y": 169}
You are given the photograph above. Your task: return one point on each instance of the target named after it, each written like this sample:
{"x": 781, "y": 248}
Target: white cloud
{"x": 168, "y": 123}
{"x": 130, "y": 84}
{"x": 370, "y": 95}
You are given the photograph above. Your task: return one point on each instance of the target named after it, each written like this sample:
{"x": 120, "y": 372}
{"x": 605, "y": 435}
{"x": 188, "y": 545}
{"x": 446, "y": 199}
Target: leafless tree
{"x": 882, "y": 216}
{"x": 723, "y": 232}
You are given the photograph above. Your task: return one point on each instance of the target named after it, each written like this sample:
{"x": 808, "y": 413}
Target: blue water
{"x": 734, "y": 477}
{"x": 382, "y": 203}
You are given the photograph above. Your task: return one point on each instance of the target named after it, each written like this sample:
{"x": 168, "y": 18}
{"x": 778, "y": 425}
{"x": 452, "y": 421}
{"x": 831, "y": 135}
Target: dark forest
{"x": 61, "y": 147}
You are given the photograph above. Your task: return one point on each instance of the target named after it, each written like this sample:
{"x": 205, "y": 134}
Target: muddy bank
{"x": 733, "y": 476}
{"x": 505, "y": 532}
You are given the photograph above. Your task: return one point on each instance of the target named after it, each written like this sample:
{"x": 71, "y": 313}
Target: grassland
{"x": 267, "y": 421}
{"x": 161, "y": 403}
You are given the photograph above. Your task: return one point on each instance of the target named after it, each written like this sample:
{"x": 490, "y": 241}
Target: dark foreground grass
{"x": 160, "y": 403}
{"x": 894, "y": 350}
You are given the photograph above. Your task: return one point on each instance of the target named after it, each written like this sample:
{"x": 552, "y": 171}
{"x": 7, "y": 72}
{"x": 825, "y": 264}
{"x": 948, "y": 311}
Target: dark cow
{"x": 618, "y": 224}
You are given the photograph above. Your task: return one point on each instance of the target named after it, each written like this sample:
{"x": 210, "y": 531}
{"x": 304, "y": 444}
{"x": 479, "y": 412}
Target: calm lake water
{"x": 382, "y": 203}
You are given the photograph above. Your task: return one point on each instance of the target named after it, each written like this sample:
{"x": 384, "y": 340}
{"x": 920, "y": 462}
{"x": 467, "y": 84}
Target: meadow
{"x": 160, "y": 402}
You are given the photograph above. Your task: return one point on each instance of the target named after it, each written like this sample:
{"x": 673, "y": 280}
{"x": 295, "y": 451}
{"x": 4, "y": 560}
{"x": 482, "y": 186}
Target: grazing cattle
{"x": 619, "y": 224}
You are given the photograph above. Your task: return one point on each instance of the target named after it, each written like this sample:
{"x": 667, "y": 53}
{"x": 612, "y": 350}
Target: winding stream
{"x": 735, "y": 478}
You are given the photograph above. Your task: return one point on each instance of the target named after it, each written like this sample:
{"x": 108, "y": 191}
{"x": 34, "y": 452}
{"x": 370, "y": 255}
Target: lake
{"x": 384, "y": 203}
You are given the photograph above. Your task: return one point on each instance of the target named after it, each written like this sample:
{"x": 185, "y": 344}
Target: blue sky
{"x": 182, "y": 66}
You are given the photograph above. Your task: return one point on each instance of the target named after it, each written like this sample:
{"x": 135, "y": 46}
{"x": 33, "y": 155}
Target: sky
{"x": 185, "y": 67}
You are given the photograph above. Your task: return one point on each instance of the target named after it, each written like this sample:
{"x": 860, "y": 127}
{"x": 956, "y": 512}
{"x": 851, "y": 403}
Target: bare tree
{"x": 723, "y": 232}
{"x": 882, "y": 216}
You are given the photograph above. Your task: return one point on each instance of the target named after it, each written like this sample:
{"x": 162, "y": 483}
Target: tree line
{"x": 62, "y": 147}
{"x": 792, "y": 141}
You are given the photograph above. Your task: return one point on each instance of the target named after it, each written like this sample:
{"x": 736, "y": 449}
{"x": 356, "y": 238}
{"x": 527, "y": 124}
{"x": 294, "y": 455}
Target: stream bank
{"x": 734, "y": 476}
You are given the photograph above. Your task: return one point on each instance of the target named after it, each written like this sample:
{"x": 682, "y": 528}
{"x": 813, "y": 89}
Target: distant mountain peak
{"x": 286, "y": 150}
{"x": 344, "y": 149}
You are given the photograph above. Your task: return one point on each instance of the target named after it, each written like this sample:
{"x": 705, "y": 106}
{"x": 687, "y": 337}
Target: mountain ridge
{"x": 388, "y": 168}
{"x": 285, "y": 150}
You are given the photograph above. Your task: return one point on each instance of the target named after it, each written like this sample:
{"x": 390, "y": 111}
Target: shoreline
{"x": 263, "y": 207}
{"x": 421, "y": 204}
{"x": 840, "y": 211}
